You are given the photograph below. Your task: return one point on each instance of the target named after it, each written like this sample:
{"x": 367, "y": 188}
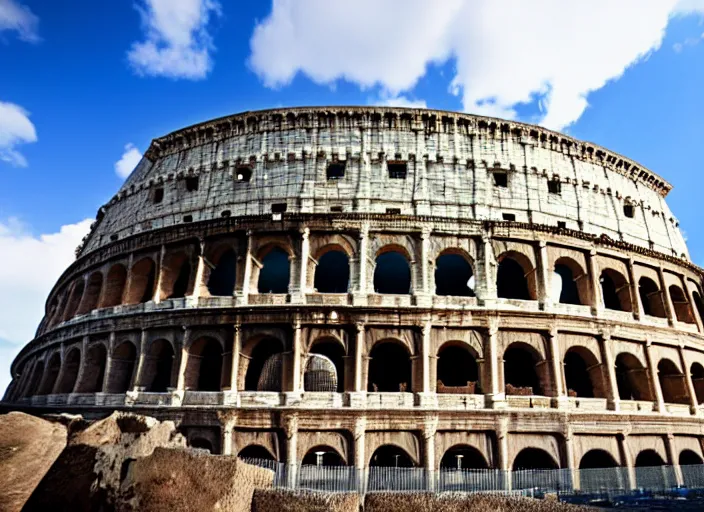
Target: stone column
{"x": 305, "y": 256}
{"x": 672, "y": 458}
{"x": 496, "y": 398}
{"x": 84, "y": 361}
{"x": 613, "y": 399}
{"x": 360, "y": 463}
{"x": 627, "y": 462}
{"x": 430, "y": 427}
{"x": 693, "y": 401}
{"x": 654, "y": 380}
{"x": 159, "y": 275}
{"x": 290, "y": 427}
{"x": 502, "y": 449}
{"x": 236, "y": 348}
{"x": 597, "y": 301}
{"x": 137, "y": 377}
{"x": 183, "y": 365}
{"x": 635, "y": 296}
{"x": 666, "y": 299}
{"x": 200, "y": 272}
{"x": 569, "y": 456}
{"x": 425, "y": 255}
{"x": 363, "y": 255}
{"x": 359, "y": 358}
{"x": 485, "y": 285}
{"x": 543, "y": 276}
{"x": 296, "y": 386}
{"x": 427, "y": 331}
{"x": 228, "y": 421}
{"x": 247, "y": 270}
{"x": 556, "y": 367}
{"x": 108, "y": 363}
{"x": 692, "y": 307}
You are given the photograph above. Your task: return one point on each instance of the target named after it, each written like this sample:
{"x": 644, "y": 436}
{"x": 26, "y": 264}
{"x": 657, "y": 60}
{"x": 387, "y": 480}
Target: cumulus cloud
{"x": 549, "y": 52}
{"x": 29, "y": 267}
{"x": 399, "y": 101}
{"x": 18, "y": 18}
{"x": 15, "y": 128}
{"x": 177, "y": 43}
{"x": 129, "y": 160}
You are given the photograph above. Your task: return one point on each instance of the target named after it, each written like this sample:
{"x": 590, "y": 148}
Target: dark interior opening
{"x": 182, "y": 280}
{"x": 649, "y": 458}
{"x": 597, "y": 458}
{"x": 335, "y": 171}
{"x": 123, "y": 359}
{"x": 201, "y": 444}
{"x": 279, "y": 208}
{"x": 163, "y": 355}
{"x": 244, "y": 173}
{"x": 672, "y": 384}
{"x": 511, "y": 217}
{"x": 255, "y": 452}
{"x": 397, "y": 170}
{"x": 158, "y": 195}
{"x": 322, "y": 456}
{"x": 333, "y": 350}
{"x": 392, "y": 274}
{"x": 275, "y": 272}
{"x": 534, "y": 458}
{"x": 500, "y": 179}
{"x": 511, "y": 282}
{"x": 332, "y": 274}
{"x": 650, "y": 298}
{"x": 519, "y": 371}
{"x": 569, "y": 294}
{"x": 192, "y": 183}
{"x": 391, "y": 456}
{"x": 463, "y": 457}
{"x": 209, "y": 354}
{"x": 261, "y": 353}
{"x": 631, "y": 379}
{"x": 221, "y": 281}
{"x": 457, "y": 368}
{"x": 610, "y": 292}
{"x": 71, "y": 364}
{"x": 389, "y": 368}
{"x": 452, "y": 275}
{"x": 689, "y": 458}
{"x": 577, "y": 375}
{"x": 628, "y": 210}
{"x": 554, "y": 187}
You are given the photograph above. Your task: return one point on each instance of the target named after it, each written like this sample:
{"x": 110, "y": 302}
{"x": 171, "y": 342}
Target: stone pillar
{"x": 485, "y": 285}
{"x": 692, "y": 307}
{"x": 200, "y": 272}
{"x": 425, "y": 255}
{"x": 635, "y": 296}
{"x": 496, "y": 398}
{"x": 236, "y": 348}
{"x": 290, "y": 427}
{"x": 613, "y": 399}
{"x": 360, "y": 426}
{"x": 84, "y": 361}
{"x": 228, "y": 421}
{"x": 108, "y": 363}
{"x": 247, "y": 269}
{"x": 597, "y": 301}
{"x": 183, "y": 365}
{"x": 627, "y": 462}
{"x": 363, "y": 255}
{"x": 159, "y": 275}
{"x": 666, "y": 299}
{"x": 359, "y": 385}
{"x": 672, "y": 458}
{"x": 654, "y": 380}
{"x": 543, "y": 276}
{"x": 427, "y": 331}
{"x": 430, "y": 427}
{"x": 693, "y": 401}
{"x": 305, "y": 256}
{"x": 137, "y": 377}
{"x": 556, "y": 367}
{"x": 502, "y": 452}
{"x": 569, "y": 458}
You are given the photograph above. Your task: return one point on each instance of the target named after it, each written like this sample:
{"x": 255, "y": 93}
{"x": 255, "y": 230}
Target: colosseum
{"x": 369, "y": 286}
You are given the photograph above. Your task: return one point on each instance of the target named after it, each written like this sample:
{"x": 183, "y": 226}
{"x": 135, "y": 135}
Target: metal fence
{"x": 602, "y": 481}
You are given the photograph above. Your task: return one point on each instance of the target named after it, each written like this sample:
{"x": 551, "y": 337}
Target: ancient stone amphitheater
{"x": 380, "y": 287}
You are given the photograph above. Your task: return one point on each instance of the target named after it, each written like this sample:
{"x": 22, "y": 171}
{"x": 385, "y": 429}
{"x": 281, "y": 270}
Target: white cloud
{"x": 18, "y": 18}
{"x": 15, "y": 128}
{"x": 29, "y": 267}
{"x": 129, "y": 160}
{"x": 400, "y": 101}
{"x": 506, "y": 53}
{"x": 177, "y": 43}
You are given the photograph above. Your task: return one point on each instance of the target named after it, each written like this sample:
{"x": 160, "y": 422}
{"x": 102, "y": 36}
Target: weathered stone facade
{"x": 214, "y": 274}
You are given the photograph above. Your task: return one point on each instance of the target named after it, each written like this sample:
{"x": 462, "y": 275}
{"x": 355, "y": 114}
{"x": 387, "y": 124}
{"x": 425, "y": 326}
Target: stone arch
{"x": 69, "y": 371}
{"x": 176, "y": 276}
{"x": 93, "y": 372}
{"x": 74, "y": 299}
{"x": 274, "y": 275}
{"x": 689, "y": 457}
{"x": 683, "y": 310}
{"x": 204, "y": 365}
{"x": 698, "y": 304}
{"x": 651, "y": 298}
{"x": 35, "y": 381}
{"x": 53, "y": 368}
{"x": 201, "y": 443}
{"x": 331, "y": 272}
{"x": 91, "y": 294}
{"x": 597, "y": 458}
{"x": 457, "y": 368}
{"x": 615, "y": 291}
{"x": 323, "y": 455}
{"x": 524, "y": 370}
{"x": 391, "y": 455}
{"x": 158, "y": 366}
{"x": 570, "y": 283}
{"x": 454, "y": 273}
{"x": 114, "y": 286}
{"x": 463, "y": 456}
{"x": 599, "y": 470}
{"x": 697, "y": 375}
{"x": 583, "y": 373}
{"x": 256, "y": 452}
{"x": 389, "y": 367}
{"x": 142, "y": 281}
{"x": 515, "y": 277}
{"x": 692, "y": 468}
{"x": 222, "y": 276}
{"x": 672, "y": 383}
{"x": 257, "y": 352}
{"x": 319, "y": 374}
{"x": 534, "y": 458}
{"x": 392, "y": 270}
{"x": 122, "y": 367}
{"x": 334, "y": 350}
{"x": 632, "y": 378}
{"x": 649, "y": 458}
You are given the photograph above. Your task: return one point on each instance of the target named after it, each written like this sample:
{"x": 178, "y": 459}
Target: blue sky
{"x": 84, "y": 84}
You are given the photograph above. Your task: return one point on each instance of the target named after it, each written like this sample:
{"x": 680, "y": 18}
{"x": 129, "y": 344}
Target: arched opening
{"x": 332, "y": 274}
{"x": 161, "y": 360}
{"x": 142, "y": 281}
{"x": 534, "y": 458}
{"x": 52, "y": 372}
{"x": 520, "y": 373}
{"x": 323, "y": 456}
{"x": 692, "y": 468}
{"x": 221, "y": 282}
{"x": 335, "y": 352}
{"x": 389, "y": 368}
{"x": 606, "y": 473}
{"x": 689, "y": 458}
{"x": 615, "y": 291}
{"x": 697, "y": 375}
{"x": 122, "y": 367}
{"x": 256, "y": 452}
{"x": 114, "y": 286}
{"x": 391, "y": 456}
{"x": 583, "y": 374}
{"x": 392, "y": 274}
{"x": 94, "y": 370}
{"x": 320, "y": 374}
{"x": 672, "y": 383}
{"x": 515, "y": 279}
{"x": 463, "y": 457}
{"x": 200, "y": 443}
{"x": 632, "y": 378}
{"x": 74, "y": 300}
{"x": 37, "y": 375}
{"x": 698, "y": 304}
{"x": 597, "y": 458}
{"x": 651, "y": 471}
{"x": 262, "y": 352}
{"x": 683, "y": 311}
{"x": 457, "y": 370}
{"x": 91, "y": 295}
{"x": 176, "y": 276}
{"x": 69, "y": 373}
{"x": 452, "y": 276}
{"x": 275, "y": 273}
{"x": 204, "y": 366}
{"x": 565, "y": 289}
{"x": 651, "y": 298}
{"x": 649, "y": 458}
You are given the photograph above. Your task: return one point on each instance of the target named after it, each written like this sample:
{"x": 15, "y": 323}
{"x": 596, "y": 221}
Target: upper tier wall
{"x": 450, "y": 159}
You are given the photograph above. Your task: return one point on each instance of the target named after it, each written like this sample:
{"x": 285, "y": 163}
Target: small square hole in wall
{"x": 336, "y": 209}
{"x": 188, "y": 218}
{"x": 561, "y": 224}
{"x": 243, "y": 173}
{"x": 114, "y": 237}
{"x": 508, "y": 216}
{"x": 500, "y": 179}
{"x": 278, "y": 207}
{"x": 554, "y": 187}
{"x": 629, "y": 211}
{"x": 397, "y": 169}
{"x": 393, "y": 211}
{"x": 225, "y": 214}
{"x": 158, "y": 196}
{"x": 335, "y": 171}
{"x": 192, "y": 183}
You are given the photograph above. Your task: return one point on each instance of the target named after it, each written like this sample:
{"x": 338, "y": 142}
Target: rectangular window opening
{"x": 188, "y": 218}
{"x": 243, "y": 173}
{"x": 554, "y": 187}
{"x": 158, "y": 195}
{"x": 192, "y": 183}
{"x": 508, "y": 216}
{"x": 629, "y": 211}
{"x": 500, "y": 179}
{"x": 335, "y": 171}
{"x": 393, "y": 211}
{"x": 278, "y": 207}
{"x": 336, "y": 209}
{"x": 397, "y": 169}
{"x": 561, "y": 224}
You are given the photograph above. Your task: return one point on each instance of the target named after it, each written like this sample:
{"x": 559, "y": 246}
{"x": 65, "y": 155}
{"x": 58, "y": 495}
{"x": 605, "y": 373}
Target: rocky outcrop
{"x": 283, "y": 500}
